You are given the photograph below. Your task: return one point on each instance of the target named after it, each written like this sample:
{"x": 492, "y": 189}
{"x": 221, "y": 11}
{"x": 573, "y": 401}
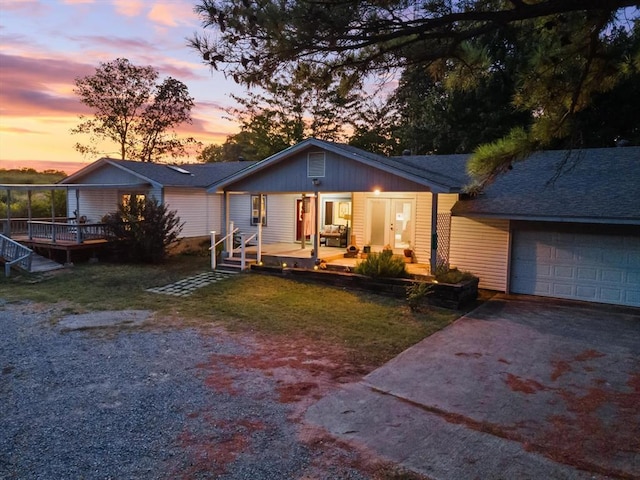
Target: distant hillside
{"x": 29, "y": 175}
{"x": 40, "y": 201}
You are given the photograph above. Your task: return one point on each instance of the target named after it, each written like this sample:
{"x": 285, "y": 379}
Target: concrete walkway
{"x": 186, "y": 286}
{"x": 520, "y": 388}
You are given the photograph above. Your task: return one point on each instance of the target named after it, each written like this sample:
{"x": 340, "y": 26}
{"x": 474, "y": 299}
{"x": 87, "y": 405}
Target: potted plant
{"x": 408, "y": 253}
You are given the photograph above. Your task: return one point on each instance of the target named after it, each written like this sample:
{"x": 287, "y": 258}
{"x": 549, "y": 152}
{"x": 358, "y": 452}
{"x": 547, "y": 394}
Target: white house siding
{"x": 94, "y": 204}
{"x": 196, "y": 209}
{"x": 422, "y": 231}
{"x": 280, "y": 226}
{"x": 481, "y": 247}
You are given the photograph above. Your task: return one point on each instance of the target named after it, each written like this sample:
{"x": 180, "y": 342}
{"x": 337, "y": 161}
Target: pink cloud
{"x": 27, "y": 86}
{"x": 129, "y": 8}
{"x": 173, "y": 14}
{"x": 21, "y": 130}
{"x": 32, "y": 7}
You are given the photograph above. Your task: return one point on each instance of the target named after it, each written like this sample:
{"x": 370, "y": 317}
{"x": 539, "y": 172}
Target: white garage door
{"x": 580, "y": 266}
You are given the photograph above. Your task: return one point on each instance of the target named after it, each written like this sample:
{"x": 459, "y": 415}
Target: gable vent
{"x": 315, "y": 165}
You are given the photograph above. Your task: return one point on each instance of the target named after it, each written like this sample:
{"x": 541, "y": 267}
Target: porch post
{"x": 8, "y": 230}
{"x": 53, "y": 206}
{"x": 77, "y": 204}
{"x": 434, "y": 233}
{"x": 29, "y": 215}
{"x": 303, "y": 240}
{"x": 316, "y": 230}
{"x": 228, "y": 224}
{"x": 260, "y": 217}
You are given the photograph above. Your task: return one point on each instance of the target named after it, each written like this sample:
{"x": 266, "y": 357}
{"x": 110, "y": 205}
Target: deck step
{"x": 42, "y": 264}
{"x": 234, "y": 264}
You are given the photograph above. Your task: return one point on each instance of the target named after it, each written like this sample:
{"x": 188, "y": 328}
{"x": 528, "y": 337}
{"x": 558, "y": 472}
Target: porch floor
{"x": 333, "y": 256}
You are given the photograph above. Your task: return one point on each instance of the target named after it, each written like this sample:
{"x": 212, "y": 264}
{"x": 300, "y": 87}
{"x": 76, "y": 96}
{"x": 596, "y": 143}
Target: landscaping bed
{"x": 454, "y": 296}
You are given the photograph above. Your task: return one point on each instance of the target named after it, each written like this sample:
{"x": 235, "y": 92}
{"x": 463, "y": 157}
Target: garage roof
{"x": 599, "y": 185}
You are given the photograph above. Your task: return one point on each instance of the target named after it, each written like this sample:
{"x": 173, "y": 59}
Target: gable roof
{"x": 195, "y": 175}
{"x": 597, "y": 186}
{"x": 420, "y": 169}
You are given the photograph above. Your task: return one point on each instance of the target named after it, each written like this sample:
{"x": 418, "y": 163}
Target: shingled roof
{"x": 595, "y": 186}
{"x": 195, "y": 175}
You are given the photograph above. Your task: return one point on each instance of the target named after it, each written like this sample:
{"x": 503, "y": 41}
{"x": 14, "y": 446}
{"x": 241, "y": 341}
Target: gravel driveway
{"x": 135, "y": 397}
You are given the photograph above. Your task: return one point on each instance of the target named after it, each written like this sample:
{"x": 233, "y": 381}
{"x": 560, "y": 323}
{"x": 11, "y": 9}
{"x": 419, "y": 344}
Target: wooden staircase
{"x": 16, "y": 255}
{"x": 42, "y": 264}
{"x": 234, "y": 264}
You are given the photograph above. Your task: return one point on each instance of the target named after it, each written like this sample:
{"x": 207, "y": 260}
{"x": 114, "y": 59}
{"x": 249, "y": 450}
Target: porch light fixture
{"x": 316, "y": 182}
{"x": 376, "y": 192}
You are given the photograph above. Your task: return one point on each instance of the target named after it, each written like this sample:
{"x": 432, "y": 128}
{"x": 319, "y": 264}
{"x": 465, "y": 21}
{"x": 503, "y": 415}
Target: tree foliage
{"x": 133, "y": 111}
{"x": 147, "y": 227}
{"x": 561, "y": 50}
{"x": 285, "y": 111}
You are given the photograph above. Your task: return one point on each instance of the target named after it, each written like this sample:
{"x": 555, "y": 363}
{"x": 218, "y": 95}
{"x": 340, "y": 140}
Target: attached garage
{"x": 574, "y": 225}
{"x": 571, "y": 263}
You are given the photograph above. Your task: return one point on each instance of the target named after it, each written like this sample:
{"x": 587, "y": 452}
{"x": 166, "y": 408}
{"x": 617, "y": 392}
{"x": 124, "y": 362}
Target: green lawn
{"x": 372, "y": 328}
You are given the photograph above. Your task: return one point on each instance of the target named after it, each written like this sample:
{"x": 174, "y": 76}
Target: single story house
{"x": 182, "y": 188}
{"x": 562, "y": 223}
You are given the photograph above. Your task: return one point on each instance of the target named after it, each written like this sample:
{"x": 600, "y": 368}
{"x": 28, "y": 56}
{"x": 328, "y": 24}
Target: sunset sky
{"x": 46, "y": 44}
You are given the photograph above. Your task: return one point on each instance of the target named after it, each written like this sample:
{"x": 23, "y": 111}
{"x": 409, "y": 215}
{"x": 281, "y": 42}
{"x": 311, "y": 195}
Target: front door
{"x": 390, "y": 222}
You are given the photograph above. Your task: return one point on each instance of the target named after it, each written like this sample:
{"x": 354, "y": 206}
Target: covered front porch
{"x": 291, "y": 255}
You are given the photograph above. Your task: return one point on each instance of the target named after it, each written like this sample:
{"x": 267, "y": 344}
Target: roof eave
{"x": 550, "y": 218}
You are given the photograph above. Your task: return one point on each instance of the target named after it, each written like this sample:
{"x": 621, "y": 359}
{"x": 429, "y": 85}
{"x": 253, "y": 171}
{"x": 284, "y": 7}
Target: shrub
{"x": 383, "y": 264}
{"x": 446, "y": 275}
{"x": 416, "y": 292}
{"x": 147, "y": 226}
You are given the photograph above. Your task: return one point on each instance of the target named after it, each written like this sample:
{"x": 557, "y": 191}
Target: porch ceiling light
{"x": 376, "y": 191}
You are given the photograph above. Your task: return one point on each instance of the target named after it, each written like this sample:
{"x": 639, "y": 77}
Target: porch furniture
{"x": 333, "y": 236}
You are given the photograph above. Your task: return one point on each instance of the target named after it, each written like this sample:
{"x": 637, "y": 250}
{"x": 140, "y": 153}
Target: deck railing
{"x": 68, "y": 232}
{"x": 20, "y": 225}
{"x": 14, "y": 254}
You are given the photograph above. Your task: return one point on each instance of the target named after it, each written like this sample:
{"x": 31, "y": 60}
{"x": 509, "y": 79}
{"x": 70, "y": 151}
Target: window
{"x": 255, "y": 210}
{"x": 315, "y": 165}
{"x": 134, "y": 201}
{"x": 128, "y": 198}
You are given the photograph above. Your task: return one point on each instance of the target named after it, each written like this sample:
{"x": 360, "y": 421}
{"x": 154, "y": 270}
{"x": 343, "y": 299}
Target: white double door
{"x": 390, "y": 221}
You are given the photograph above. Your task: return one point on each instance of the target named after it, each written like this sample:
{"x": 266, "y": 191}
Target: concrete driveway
{"x": 522, "y": 387}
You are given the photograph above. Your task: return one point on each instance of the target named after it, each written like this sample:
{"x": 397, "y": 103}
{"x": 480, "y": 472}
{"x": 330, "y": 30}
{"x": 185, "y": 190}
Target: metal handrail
{"x": 214, "y": 244}
{"x": 15, "y": 254}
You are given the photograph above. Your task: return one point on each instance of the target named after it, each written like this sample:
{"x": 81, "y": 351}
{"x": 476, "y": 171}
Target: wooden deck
{"x": 67, "y": 246}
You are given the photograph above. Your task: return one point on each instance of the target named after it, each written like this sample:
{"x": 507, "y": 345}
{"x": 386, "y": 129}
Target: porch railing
{"x": 244, "y": 239}
{"x": 14, "y": 254}
{"x": 20, "y": 226}
{"x": 69, "y": 232}
{"x": 214, "y": 245}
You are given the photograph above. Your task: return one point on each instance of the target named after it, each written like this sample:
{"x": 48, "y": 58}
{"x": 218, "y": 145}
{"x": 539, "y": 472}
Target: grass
{"x": 372, "y": 328}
